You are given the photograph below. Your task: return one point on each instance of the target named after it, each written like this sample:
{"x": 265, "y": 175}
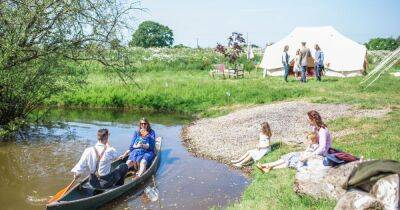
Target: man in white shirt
{"x": 97, "y": 161}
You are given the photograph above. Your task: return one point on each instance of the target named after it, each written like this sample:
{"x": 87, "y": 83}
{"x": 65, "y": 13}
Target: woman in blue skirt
{"x": 141, "y": 149}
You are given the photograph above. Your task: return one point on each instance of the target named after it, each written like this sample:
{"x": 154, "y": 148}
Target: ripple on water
{"x": 34, "y": 170}
{"x": 37, "y": 200}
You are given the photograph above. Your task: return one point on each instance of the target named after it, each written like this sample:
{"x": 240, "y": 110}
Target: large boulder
{"x": 320, "y": 181}
{"x": 358, "y": 200}
{"x": 387, "y": 191}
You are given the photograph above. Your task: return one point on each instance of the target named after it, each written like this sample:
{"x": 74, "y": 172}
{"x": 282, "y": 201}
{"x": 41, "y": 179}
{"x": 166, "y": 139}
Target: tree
{"x": 235, "y": 47}
{"x": 152, "y": 34}
{"x": 382, "y": 44}
{"x": 40, "y": 39}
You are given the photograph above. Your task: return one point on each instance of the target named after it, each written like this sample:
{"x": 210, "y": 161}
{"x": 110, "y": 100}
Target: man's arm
{"x": 112, "y": 152}
{"x": 82, "y": 164}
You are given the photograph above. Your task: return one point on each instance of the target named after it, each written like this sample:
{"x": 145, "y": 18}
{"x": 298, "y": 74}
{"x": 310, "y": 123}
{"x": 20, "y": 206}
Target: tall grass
{"x": 195, "y": 92}
{"x": 189, "y": 92}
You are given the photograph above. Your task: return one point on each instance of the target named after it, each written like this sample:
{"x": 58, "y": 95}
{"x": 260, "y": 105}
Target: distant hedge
{"x": 383, "y": 44}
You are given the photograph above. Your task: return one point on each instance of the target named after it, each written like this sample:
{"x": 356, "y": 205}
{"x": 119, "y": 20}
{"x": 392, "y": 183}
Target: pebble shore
{"x": 227, "y": 137}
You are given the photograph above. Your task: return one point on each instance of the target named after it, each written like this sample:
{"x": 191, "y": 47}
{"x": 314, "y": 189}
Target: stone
{"x": 387, "y": 191}
{"x": 358, "y": 200}
{"x": 320, "y": 181}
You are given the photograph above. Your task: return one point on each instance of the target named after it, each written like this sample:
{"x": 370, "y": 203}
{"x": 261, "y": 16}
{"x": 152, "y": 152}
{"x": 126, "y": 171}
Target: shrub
{"x": 382, "y": 44}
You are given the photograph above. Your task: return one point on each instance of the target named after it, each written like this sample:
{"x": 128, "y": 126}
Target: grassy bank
{"x": 275, "y": 189}
{"x": 373, "y": 138}
{"x": 194, "y": 92}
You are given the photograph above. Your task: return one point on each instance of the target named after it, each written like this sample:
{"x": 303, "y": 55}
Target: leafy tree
{"x": 234, "y": 49}
{"x": 382, "y": 44}
{"x": 40, "y": 40}
{"x": 152, "y": 34}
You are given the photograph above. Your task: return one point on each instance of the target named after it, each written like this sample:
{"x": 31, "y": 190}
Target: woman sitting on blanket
{"x": 263, "y": 147}
{"x": 321, "y": 141}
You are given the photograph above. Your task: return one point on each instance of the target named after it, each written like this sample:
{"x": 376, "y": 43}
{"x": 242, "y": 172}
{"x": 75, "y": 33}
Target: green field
{"x": 194, "y": 92}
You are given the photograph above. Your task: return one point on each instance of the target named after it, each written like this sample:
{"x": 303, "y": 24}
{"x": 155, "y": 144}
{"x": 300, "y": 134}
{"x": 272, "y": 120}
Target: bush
{"x": 382, "y": 44}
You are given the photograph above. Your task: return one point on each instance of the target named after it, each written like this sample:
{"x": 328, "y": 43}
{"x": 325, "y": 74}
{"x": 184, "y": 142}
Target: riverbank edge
{"x": 249, "y": 170}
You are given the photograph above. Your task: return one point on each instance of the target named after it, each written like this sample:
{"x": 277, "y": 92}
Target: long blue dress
{"x": 137, "y": 154}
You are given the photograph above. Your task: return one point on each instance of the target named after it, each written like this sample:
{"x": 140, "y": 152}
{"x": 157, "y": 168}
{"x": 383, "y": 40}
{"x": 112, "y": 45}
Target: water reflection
{"x": 32, "y": 170}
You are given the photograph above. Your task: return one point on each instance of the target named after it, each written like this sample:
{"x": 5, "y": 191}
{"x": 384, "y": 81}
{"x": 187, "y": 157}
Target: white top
{"x": 88, "y": 160}
{"x": 265, "y": 145}
{"x": 264, "y": 141}
{"x": 297, "y": 61}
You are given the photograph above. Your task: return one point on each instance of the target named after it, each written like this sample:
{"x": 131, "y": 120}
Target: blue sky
{"x": 212, "y": 21}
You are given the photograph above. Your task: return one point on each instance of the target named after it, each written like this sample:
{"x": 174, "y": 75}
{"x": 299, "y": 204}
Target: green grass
{"x": 275, "y": 189}
{"x": 194, "y": 92}
{"x": 374, "y": 138}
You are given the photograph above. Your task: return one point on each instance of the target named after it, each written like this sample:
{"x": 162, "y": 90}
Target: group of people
{"x": 301, "y": 62}
{"x": 320, "y": 142}
{"x": 97, "y": 159}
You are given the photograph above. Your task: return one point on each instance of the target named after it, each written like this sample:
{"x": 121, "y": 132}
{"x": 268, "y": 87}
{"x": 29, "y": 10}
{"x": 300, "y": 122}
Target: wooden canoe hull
{"x": 96, "y": 201}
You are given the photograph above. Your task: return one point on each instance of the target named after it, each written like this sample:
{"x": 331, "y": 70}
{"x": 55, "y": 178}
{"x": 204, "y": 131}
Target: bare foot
{"x": 263, "y": 169}
{"x": 235, "y": 161}
{"x": 266, "y": 169}
{"x": 237, "y": 165}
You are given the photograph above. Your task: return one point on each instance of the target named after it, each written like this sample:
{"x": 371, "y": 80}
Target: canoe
{"x": 76, "y": 198}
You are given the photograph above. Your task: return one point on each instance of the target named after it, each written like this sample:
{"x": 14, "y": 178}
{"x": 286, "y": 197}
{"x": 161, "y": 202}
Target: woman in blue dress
{"x": 141, "y": 149}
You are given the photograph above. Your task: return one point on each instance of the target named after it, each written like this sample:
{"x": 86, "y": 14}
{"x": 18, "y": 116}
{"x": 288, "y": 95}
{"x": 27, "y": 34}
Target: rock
{"x": 387, "y": 191}
{"x": 358, "y": 200}
{"x": 320, "y": 181}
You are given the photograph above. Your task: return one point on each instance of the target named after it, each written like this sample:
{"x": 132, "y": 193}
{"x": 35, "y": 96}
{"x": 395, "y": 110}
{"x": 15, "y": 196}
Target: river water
{"x": 33, "y": 169}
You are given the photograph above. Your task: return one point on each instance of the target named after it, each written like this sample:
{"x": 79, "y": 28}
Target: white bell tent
{"x": 343, "y": 56}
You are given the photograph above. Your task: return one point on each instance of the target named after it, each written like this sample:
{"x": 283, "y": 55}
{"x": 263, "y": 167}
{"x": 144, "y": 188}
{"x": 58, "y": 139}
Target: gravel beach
{"x": 227, "y": 137}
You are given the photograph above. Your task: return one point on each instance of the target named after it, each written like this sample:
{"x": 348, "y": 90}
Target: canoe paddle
{"x": 61, "y": 193}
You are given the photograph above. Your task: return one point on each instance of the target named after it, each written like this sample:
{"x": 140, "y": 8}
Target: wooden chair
{"x": 219, "y": 70}
{"x": 239, "y": 72}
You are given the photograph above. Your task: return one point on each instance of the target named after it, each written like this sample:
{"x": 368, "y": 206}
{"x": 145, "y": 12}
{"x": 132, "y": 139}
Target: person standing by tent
{"x": 319, "y": 62}
{"x": 285, "y": 62}
{"x": 297, "y": 66}
{"x": 305, "y": 54}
